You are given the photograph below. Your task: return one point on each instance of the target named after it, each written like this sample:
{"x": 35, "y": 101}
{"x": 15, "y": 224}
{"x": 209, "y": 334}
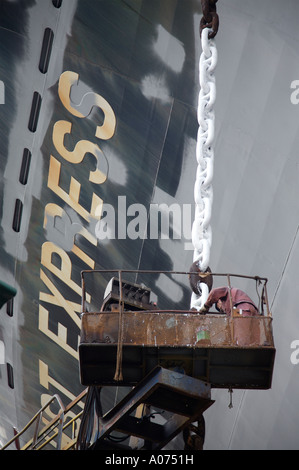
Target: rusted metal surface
{"x": 235, "y": 352}
{"x": 148, "y": 328}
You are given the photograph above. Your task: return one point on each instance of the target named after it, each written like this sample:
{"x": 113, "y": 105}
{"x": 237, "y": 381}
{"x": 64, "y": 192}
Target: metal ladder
{"x": 53, "y": 432}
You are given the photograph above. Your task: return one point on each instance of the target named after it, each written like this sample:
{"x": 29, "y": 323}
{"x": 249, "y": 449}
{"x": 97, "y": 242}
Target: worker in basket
{"x": 226, "y": 298}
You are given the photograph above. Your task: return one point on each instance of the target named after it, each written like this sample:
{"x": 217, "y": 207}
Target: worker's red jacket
{"x": 239, "y": 300}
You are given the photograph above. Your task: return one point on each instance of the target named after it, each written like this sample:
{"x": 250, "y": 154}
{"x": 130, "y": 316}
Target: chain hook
{"x": 210, "y": 17}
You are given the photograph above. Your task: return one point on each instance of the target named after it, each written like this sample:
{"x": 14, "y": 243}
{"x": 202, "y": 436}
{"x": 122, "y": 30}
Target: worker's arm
{"x": 213, "y": 297}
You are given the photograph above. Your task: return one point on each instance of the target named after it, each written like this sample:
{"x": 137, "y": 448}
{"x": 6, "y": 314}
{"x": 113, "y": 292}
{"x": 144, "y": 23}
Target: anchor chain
{"x": 203, "y": 191}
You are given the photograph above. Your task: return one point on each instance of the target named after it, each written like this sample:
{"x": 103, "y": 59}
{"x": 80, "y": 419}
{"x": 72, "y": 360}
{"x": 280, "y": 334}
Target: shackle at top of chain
{"x": 210, "y": 18}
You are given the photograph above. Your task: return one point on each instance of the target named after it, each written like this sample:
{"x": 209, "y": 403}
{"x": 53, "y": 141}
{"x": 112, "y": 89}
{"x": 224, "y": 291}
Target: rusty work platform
{"x": 227, "y": 352}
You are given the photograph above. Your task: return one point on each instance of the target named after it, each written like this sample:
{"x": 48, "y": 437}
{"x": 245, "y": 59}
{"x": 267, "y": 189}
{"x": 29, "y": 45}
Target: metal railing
{"x": 56, "y": 426}
{"x": 228, "y": 276}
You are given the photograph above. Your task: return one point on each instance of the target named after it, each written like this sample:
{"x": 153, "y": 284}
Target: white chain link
{"x": 203, "y": 192}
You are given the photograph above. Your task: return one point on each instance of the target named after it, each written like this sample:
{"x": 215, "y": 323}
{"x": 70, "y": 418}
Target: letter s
{"x": 69, "y": 79}
{"x": 60, "y": 129}
{"x": 294, "y": 356}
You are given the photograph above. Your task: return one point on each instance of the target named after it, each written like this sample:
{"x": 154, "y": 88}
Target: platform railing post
{"x": 231, "y": 308}
{"x": 83, "y": 292}
{"x": 118, "y": 376}
{"x": 269, "y": 314}
{"x": 230, "y": 294}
